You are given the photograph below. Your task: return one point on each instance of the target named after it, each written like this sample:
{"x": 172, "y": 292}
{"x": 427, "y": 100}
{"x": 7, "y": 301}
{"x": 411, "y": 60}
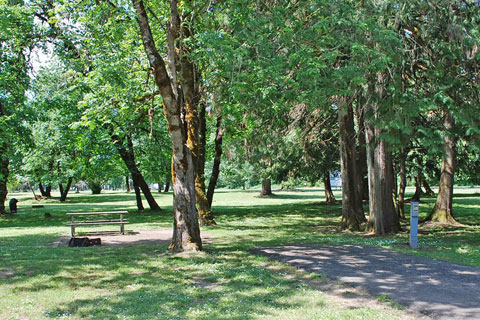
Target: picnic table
{"x": 121, "y": 221}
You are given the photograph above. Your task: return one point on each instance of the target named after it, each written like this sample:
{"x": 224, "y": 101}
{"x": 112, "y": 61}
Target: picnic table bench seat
{"x": 122, "y": 222}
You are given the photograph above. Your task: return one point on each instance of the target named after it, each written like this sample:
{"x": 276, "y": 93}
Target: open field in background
{"x": 224, "y": 282}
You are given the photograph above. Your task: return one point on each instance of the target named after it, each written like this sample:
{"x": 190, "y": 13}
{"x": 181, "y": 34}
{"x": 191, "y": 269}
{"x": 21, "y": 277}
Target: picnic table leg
{"x": 73, "y": 227}
{"x": 122, "y": 226}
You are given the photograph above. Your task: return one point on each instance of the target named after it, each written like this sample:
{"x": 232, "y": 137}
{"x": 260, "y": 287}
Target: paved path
{"x": 437, "y": 288}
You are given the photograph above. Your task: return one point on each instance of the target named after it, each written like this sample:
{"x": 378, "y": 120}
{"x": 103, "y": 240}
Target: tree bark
{"x": 127, "y": 183}
{"x": 216, "y": 161}
{"x": 418, "y": 190}
{"x": 362, "y": 179}
{"x": 95, "y": 188}
{"x": 60, "y": 188}
{"x": 428, "y": 191}
{"x": 42, "y": 189}
{"x": 383, "y": 218}
{"x": 329, "y": 197}
{"x": 38, "y": 198}
{"x": 48, "y": 191}
{"x": 203, "y": 206}
{"x": 442, "y": 212}
{"x": 64, "y": 192}
{"x": 352, "y": 210}
{"x": 138, "y": 196}
{"x": 186, "y": 230}
{"x": 402, "y": 186}
{"x": 4, "y": 172}
{"x": 128, "y": 156}
{"x": 4, "y": 163}
{"x": 266, "y": 187}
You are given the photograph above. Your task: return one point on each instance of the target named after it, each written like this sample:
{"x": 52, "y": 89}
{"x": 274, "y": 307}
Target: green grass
{"x": 224, "y": 282}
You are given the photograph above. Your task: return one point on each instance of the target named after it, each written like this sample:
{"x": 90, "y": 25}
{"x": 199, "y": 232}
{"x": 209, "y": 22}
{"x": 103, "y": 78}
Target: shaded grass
{"x": 225, "y": 282}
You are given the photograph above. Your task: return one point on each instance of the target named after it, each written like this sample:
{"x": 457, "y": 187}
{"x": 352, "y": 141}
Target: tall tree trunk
{"x": 60, "y": 188}
{"x": 48, "y": 191}
{"x": 362, "y": 179}
{"x": 203, "y": 206}
{"x": 4, "y": 172}
{"x": 402, "y": 186}
{"x": 4, "y": 163}
{"x": 64, "y": 192}
{"x": 127, "y": 183}
{"x": 383, "y": 218}
{"x": 138, "y": 196}
{"x": 352, "y": 210}
{"x": 329, "y": 197}
{"x": 167, "y": 186}
{"x": 216, "y": 161}
{"x": 442, "y": 212}
{"x": 186, "y": 230}
{"x": 266, "y": 187}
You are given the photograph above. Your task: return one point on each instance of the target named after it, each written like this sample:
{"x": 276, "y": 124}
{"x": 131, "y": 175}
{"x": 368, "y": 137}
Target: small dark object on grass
{"x": 94, "y": 242}
{"x": 13, "y": 205}
{"x": 37, "y": 206}
{"x": 84, "y": 242}
{"x": 47, "y": 215}
{"x": 78, "y": 242}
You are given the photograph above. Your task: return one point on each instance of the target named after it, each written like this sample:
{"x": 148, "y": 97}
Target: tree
{"x": 17, "y": 33}
{"x": 186, "y": 232}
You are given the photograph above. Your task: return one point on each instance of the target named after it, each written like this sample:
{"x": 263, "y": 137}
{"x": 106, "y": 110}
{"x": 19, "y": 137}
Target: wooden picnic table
{"x": 74, "y": 223}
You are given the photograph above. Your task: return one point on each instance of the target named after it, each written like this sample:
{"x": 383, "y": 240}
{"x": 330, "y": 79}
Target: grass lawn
{"x": 223, "y": 282}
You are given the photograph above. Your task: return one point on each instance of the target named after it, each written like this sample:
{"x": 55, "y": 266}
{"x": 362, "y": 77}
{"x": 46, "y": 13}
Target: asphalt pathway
{"x": 436, "y": 288}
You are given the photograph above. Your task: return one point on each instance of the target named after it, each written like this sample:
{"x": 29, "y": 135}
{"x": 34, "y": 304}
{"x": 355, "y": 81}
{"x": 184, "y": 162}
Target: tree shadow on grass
{"x": 143, "y": 282}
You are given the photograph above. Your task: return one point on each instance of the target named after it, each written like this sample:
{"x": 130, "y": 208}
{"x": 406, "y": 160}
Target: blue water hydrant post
{"x": 414, "y": 209}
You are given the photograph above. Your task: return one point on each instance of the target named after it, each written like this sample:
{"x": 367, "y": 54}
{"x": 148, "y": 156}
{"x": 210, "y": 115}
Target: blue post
{"x": 414, "y": 209}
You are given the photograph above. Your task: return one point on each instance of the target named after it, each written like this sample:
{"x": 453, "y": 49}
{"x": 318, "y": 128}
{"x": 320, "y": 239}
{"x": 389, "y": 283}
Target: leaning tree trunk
{"x": 203, "y": 206}
{"x": 64, "y": 192}
{"x": 128, "y": 156}
{"x": 402, "y": 186}
{"x": 329, "y": 197}
{"x": 428, "y": 191}
{"x": 352, "y": 210}
{"x": 266, "y": 187}
{"x": 216, "y": 161}
{"x": 186, "y": 231}
{"x": 138, "y": 196}
{"x": 442, "y": 212}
